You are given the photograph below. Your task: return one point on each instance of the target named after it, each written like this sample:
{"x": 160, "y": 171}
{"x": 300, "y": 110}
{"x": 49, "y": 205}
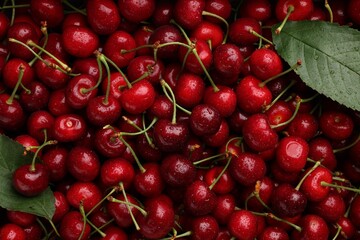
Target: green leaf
{"x": 11, "y": 157}
{"x": 330, "y": 57}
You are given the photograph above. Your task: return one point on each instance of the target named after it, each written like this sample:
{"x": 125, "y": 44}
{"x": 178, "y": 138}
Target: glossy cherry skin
{"x": 12, "y": 69}
{"x": 292, "y": 153}
{"x": 286, "y": 201}
{"x": 83, "y": 163}
{"x": 36, "y": 99}
{"x": 320, "y": 149}
{"x": 224, "y": 207}
{"x": 272, "y": 233}
{"x": 331, "y": 208}
{"x": 72, "y": 226}
{"x": 38, "y": 122}
{"x": 88, "y": 66}
{"x": 251, "y": 96}
{"x": 117, "y": 84}
{"x": 160, "y": 218}
{"x": 4, "y": 25}
{"x": 242, "y": 224}
{"x": 224, "y": 100}
{"x": 117, "y": 170}
{"x": 61, "y": 206}
{"x": 209, "y": 32}
{"x": 304, "y": 125}
{"x": 353, "y": 8}
{"x": 136, "y": 11}
{"x": 145, "y": 66}
{"x": 12, "y": 115}
{"x": 265, "y": 63}
{"x": 22, "y": 219}
{"x": 302, "y": 9}
{"x": 55, "y": 46}
{"x": 239, "y": 31}
{"x": 226, "y": 182}
{"x": 108, "y": 144}
{"x": 69, "y": 127}
{"x": 114, "y": 233}
{"x": 50, "y": 11}
{"x": 161, "y": 108}
{"x": 150, "y": 182}
{"x": 169, "y": 136}
{"x": 55, "y": 161}
{"x": 188, "y": 13}
{"x": 247, "y": 168}
{"x": 189, "y": 90}
{"x": 204, "y": 120}
{"x": 177, "y": 170}
{"x": 260, "y": 10}
{"x": 138, "y": 98}
{"x": 228, "y": 59}
{"x": 221, "y": 8}
{"x": 87, "y": 194}
{"x": 312, "y": 227}
{"x": 116, "y": 42}
{"x": 264, "y": 187}
{"x": 77, "y": 94}
{"x": 103, "y": 16}
{"x": 204, "y": 227}
{"x": 258, "y": 134}
{"x": 12, "y": 231}
{"x": 80, "y": 41}
{"x": 30, "y": 182}
{"x": 199, "y": 200}
{"x": 336, "y": 125}
{"x": 102, "y": 110}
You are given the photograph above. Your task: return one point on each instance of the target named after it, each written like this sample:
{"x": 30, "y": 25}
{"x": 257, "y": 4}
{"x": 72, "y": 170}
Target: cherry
{"x": 286, "y": 201}
{"x": 300, "y": 9}
{"x": 54, "y": 45}
{"x": 120, "y": 211}
{"x": 117, "y": 84}
{"x": 40, "y": 124}
{"x": 318, "y": 14}
{"x": 74, "y": 19}
{"x": 103, "y": 16}
{"x": 347, "y": 228}
{"x": 36, "y": 98}
{"x": 353, "y": 7}
{"x": 228, "y": 60}
{"x": 312, "y": 227}
{"x": 103, "y": 110}
{"x": 11, "y": 72}
{"x": 204, "y": 227}
{"x": 108, "y": 144}
{"x": 28, "y": 142}
{"x": 30, "y": 180}
{"x": 258, "y": 134}
{"x": 263, "y": 190}
{"x": 209, "y": 32}
{"x": 21, "y": 219}
{"x": 336, "y": 125}
{"x": 219, "y": 138}
{"x": 114, "y": 233}
{"x": 49, "y": 11}
{"x": 189, "y": 90}
{"x": 199, "y": 200}
{"x": 149, "y": 182}
{"x": 252, "y": 97}
{"x": 138, "y": 98}
{"x": 23, "y": 32}
{"x": 224, "y": 207}
{"x": 292, "y": 153}
{"x": 304, "y": 125}
{"x": 177, "y": 170}
{"x": 161, "y": 108}
{"x": 4, "y": 25}
{"x": 34, "y": 231}
{"x": 115, "y": 43}
{"x": 320, "y": 149}
{"x": 205, "y": 120}
{"x": 222, "y": 179}
{"x": 73, "y": 226}
{"x": 272, "y": 233}
{"x": 331, "y": 208}
{"x": 159, "y": 218}
{"x": 240, "y": 31}
{"x": 69, "y": 127}
{"x": 12, "y": 231}
{"x": 170, "y": 136}
{"x": 135, "y": 11}
{"x": 86, "y": 194}
{"x": 116, "y": 170}
{"x": 224, "y": 100}
{"x": 260, "y": 10}
{"x": 188, "y": 13}
{"x": 83, "y": 163}
{"x": 145, "y": 67}
{"x": 221, "y": 8}
{"x": 79, "y": 90}
{"x": 12, "y": 117}
{"x": 265, "y": 63}
{"x": 88, "y": 66}
{"x": 279, "y": 113}
{"x": 354, "y": 215}
{"x": 247, "y": 168}
{"x": 166, "y": 34}
{"x": 61, "y": 206}
{"x": 242, "y": 224}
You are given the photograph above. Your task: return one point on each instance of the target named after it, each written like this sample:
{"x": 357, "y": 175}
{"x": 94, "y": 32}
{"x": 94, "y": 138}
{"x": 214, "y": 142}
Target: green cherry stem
{"x": 128, "y": 207}
{"x": 261, "y": 37}
{"x": 272, "y": 216}
{"x": 20, "y": 76}
{"x": 113, "y": 190}
{"x": 220, "y": 155}
{"x": 221, "y": 173}
{"x": 328, "y": 8}
{"x": 142, "y": 211}
{"x": 46, "y": 38}
{"x": 326, "y": 184}
{"x": 292, "y": 83}
{"x": 167, "y": 88}
{"x": 66, "y": 2}
{"x": 298, "y": 103}
{"x": 318, "y": 163}
{"x": 128, "y": 84}
{"x": 86, "y": 90}
{"x": 175, "y": 236}
{"x": 206, "y": 13}
{"x": 289, "y": 11}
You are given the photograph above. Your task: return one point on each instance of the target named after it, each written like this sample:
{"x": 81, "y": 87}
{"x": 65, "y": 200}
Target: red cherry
{"x": 331, "y": 208}
{"x": 188, "y": 13}
{"x": 199, "y": 200}
{"x": 224, "y": 100}
{"x": 228, "y": 60}
{"x": 4, "y": 25}
{"x": 87, "y": 66}
{"x": 204, "y": 227}
{"x": 36, "y": 99}
{"x": 354, "y": 212}
{"x": 224, "y": 207}
{"x": 163, "y": 13}
{"x": 87, "y": 194}
{"x": 12, "y": 115}
{"x": 69, "y": 127}
{"x": 12, "y": 70}
{"x": 302, "y": 9}
{"x": 272, "y": 233}
{"x": 103, "y": 110}
{"x": 114, "y": 233}
{"x": 278, "y": 113}
{"x": 61, "y": 206}
{"x": 108, "y": 144}
{"x": 30, "y": 182}
{"x": 145, "y": 67}
{"x": 74, "y": 19}
{"x": 49, "y": 11}
{"x": 209, "y": 32}
{"x": 304, "y": 125}
{"x": 243, "y": 224}
{"x": 21, "y": 219}
{"x": 38, "y": 122}
{"x": 312, "y": 227}
{"x": 336, "y": 125}
{"x": 117, "y": 84}
{"x": 224, "y": 185}
{"x": 239, "y": 31}
{"x": 150, "y": 182}
{"x": 54, "y": 45}
{"x": 220, "y": 8}
{"x": 320, "y": 149}
{"x": 169, "y": 136}
{"x": 77, "y": 94}
{"x": 80, "y": 41}
{"x": 12, "y": 232}
{"x": 121, "y": 212}
{"x": 117, "y": 170}
{"x": 260, "y": 10}
{"x": 353, "y": 9}
{"x": 205, "y": 120}
{"x": 72, "y": 226}
{"x": 189, "y": 90}
{"x": 103, "y": 16}
{"x": 136, "y": 11}
{"x": 265, "y": 63}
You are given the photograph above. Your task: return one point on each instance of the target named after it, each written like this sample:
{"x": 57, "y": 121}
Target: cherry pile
{"x": 174, "y": 119}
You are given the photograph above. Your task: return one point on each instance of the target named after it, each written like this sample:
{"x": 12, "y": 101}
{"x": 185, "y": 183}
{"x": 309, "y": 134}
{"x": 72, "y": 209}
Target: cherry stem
{"x": 185, "y": 234}
{"x": 166, "y": 88}
{"x": 239, "y": 142}
{"x": 307, "y": 174}
{"x": 46, "y": 38}
{"x": 140, "y": 166}
{"x": 86, "y": 90}
{"x": 142, "y": 211}
{"x": 120, "y": 134}
{"x": 295, "y": 66}
{"x": 261, "y": 37}
{"x": 52, "y": 225}
{"x": 326, "y": 184}
{"x": 82, "y": 211}
{"x": 15, "y": 6}
{"x": 113, "y": 190}
{"x": 12, "y": 12}
{"x": 46, "y": 143}
{"x": 20, "y": 76}
{"x": 338, "y": 231}
{"x": 182, "y": 31}
{"x": 107, "y": 93}
{"x": 209, "y": 158}
{"x": 328, "y": 8}
{"x": 292, "y": 83}
{"x": 221, "y": 174}
{"x": 290, "y": 9}
{"x": 206, "y": 13}
{"x": 348, "y": 146}
{"x": 272, "y": 216}
{"x": 298, "y": 103}
{"x": 128, "y": 207}
{"x": 119, "y": 70}
{"x": 148, "y": 139}
{"x": 66, "y": 2}
{"x": 256, "y": 193}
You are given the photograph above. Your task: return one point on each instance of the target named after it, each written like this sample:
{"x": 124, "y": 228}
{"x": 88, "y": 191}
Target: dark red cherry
{"x": 278, "y": 113}
{"x": 272, "y": 233}
{"x": 301, "y": 9}
{"x": 72, "y": 226}
{"x": 204, "y": 227}
{"x": 12, "y": 69}
{"x": 228, "y": 59}
{"x": 30, "y": 182}
{"x": 4, "y": 25}
{"x": 320, "y": 149}
{"x": 145, "y": 67}
{"x": 189, "y": 90}
{"x": 336, "y": 125}
{"x": 188, "y": 13}
{"x": 210, "y": 32}
{"x": 88, "y": 66}
{"x": 107, "y": 143}
{"x": 12, "y": 231}
{"x": 22, "y": 219}
{"x": 12, "y": 114}
{"x": 177, "y": 170}
{"x": 114, "y": 233}
{"x": 225, "y": 184}
{"x": 55, "y": 159}
{"x": 260, "y": 10}
{"x": 103, "y": 110}
{"x": 242, "y": 224}
{"x": 149, "y": 183}
{"x": 163, "y": 13}
{"x": 331, "y": 208}
{"x": 205, "y": 120}
{"x": 54, "y": 45}
{"x": 224, "y": 207}
{"x": 199, "y": 200}
{"x": 103, "y": 16}
{"x": 80, "y": 41}
{"x": 117, "y": 84}
{"x": 304, "y": 125}
{"x": 79, "y": 91}
{"x": 120, "y": 211}
{"x": 239, "y": 31}
{"x": 115, "y": 171}
{"x": 136, "y": 11}
{"x": 61, "y": 206}
{"x": 49, "y": 11}
{"x": 36, "y": 99}
{"x": 312, "y": 227}
{"x": 224, "y": 100}
{"x": 161, "y": 108}
{"x": 38, "y": 122}
{"x": 353, "y": 8}
{"x": 221, "y": 8}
